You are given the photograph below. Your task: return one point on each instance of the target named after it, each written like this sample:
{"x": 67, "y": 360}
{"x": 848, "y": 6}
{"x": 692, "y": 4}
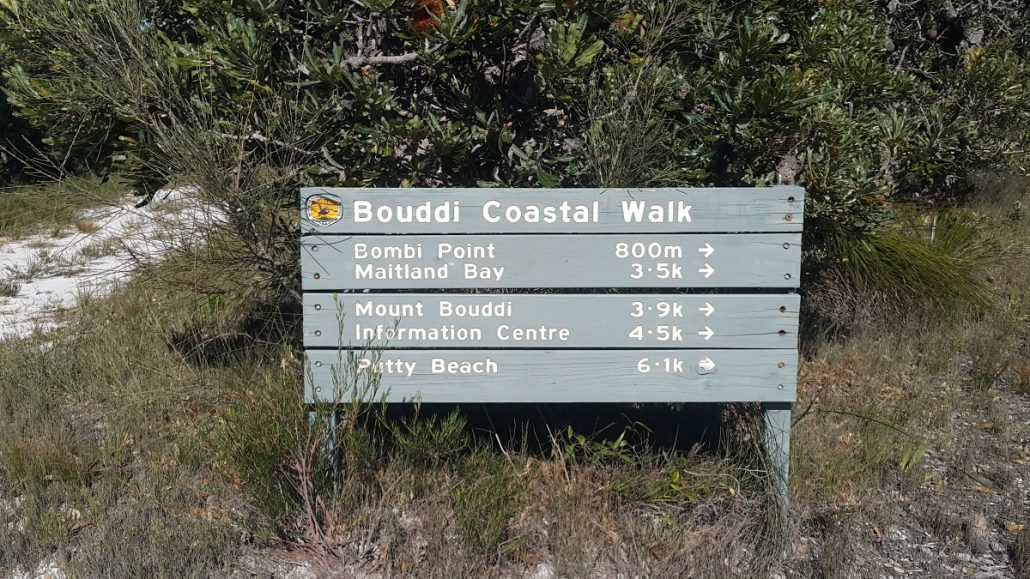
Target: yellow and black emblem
{"x": 324, "y": 209}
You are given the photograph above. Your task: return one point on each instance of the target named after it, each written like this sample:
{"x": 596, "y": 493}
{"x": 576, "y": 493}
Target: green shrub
{"x": 865, "y": 105}
{"x": 261, "y": 430}
{"x": 485, "y": 501}
{"x": 33, "y": 209}
{"x": 430, "y": 440}
{"x": 9, "y": 288}
{"x": 917, "y": 263}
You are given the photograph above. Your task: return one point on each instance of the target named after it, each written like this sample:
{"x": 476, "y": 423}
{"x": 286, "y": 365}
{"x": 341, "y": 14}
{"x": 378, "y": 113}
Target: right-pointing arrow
{"x": 707, "y": 333}
{"x": 707, "y": 270}
{"x": 705, "y": 366}
{"x": 708, "y": 310}
{"x": 707, "y": 249}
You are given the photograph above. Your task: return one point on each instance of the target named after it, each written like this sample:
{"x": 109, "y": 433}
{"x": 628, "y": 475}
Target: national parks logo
{"x": 324, "y": 209}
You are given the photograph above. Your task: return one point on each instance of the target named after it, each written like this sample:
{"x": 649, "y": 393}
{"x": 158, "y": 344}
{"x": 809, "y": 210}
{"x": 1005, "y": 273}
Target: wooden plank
{"x": 550, "y": 320}
{"x": 767, "y": 260}
{"x": 693, "y": 210}
{"x": 556, "y": 375}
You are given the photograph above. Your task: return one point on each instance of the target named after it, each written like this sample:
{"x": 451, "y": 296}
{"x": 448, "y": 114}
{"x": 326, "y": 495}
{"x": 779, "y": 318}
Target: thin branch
{"x": 257, "y": 136}
{"x": 811, "y": 404}
{"x": 359, "y": 61}
{"x": 869, "y": 419}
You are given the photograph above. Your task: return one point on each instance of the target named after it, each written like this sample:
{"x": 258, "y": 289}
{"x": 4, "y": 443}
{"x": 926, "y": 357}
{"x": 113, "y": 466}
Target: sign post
{"x": 556, "y": 295}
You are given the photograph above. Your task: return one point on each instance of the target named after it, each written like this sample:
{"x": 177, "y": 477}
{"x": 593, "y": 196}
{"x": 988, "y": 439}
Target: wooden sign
{"x": 559, "y": 375}
{"x": 555, "y": 261}
{"x": 554, "y": 295}
{"x": 544, "y": 321}
{"x": 579, "y": 211}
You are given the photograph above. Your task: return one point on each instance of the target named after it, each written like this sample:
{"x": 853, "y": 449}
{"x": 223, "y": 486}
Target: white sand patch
{"x": 46, "y": 569}
{"x": 52, "y": 274}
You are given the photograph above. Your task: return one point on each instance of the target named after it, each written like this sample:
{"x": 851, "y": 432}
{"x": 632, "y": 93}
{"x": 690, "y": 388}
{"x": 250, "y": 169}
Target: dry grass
{"x": 85, "y": 226}
{"x": 917, "y": 426}
{"x": 166, "y": 433}
{"x": 1020, "y": 553}
{"x": 52, "y": 208}
{"x": 103, "y": 433}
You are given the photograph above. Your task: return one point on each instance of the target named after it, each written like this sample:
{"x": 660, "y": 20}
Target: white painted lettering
{"x": 405, "y": 251}
{"x": 487, "y": 208}
{"x": 540, "y": 334}
{"x": 489, "y": 309}
{"x": 400, "y": 271}
{"x": 371, "y": 308}
{"x": 442, "y": 366}
{"x": 428, "y": 212}
{"x": 671, "y": 212}
{"x": 564, "y": 212}
{"x": 362, "y": 212}
{"x": 467, "y": 251}
{"x": 473, "y": 271}
{"x": 386, "y": 366}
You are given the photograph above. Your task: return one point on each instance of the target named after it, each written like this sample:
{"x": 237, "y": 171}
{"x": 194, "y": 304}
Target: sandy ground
{"x": 53, "y": 273}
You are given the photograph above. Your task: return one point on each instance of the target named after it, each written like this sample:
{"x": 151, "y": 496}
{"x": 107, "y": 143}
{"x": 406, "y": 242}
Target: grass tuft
{"x": 85, "y": 226}
{"x": 9, "y": 288}
{"x": 52, "y": 207}
{"x": 430, "y": 441}
{"x": 151, "y": 542}
{"x": 261, "y": 428}
{"x": 485, "y": 502}
{"x": 1020, "y": 553}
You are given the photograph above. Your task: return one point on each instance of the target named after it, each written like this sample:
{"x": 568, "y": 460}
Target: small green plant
{"x": 885, "y": 444}
{"x": 581, "y": 447}
{"x": 32, "y": 463}
{"x": 428, "y": 441}
{"x": 677, "y": 483}
{"x": 9, "y": 288}
{"x": 45, "y": 263}
{"x": 47, "y": 527}
{"x": 992, "y": 350}
{"x": 485, "y": 501}
{"x": 260, "y": 431}
{"x": 98, "y": 249}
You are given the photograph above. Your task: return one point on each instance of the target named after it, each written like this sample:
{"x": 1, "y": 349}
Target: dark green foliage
{"x": 17, "y": 138}
{"x": 866, "y": 105}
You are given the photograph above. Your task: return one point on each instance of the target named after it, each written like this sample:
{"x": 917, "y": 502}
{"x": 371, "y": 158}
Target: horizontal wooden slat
{"x": 550, "y": 320}
{"x": 557, "y": 376}
{"x": 771, "y": 209}
{"x": 558, "y": 261}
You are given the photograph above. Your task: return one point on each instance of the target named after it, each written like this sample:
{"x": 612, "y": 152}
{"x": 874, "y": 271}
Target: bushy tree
{"x": 864, "y": 104}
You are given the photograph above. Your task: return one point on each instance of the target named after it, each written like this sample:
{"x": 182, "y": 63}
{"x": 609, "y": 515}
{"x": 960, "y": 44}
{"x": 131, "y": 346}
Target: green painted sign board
{"x": 555, "y": 295}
